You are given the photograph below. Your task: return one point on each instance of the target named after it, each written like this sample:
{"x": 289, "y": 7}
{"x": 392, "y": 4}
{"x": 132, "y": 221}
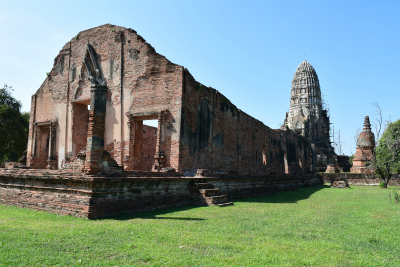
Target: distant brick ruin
{"x": 364, "y": 150}
{"x": 91, "y": 155}
{"x": 308, "y": 117}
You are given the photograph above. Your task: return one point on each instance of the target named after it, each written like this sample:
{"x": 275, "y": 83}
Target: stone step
{"x": 219, "y": 199}
{"x": 210, "y": 192}
{"x": 205, "y": 185}
{"x": 225, "y": 204}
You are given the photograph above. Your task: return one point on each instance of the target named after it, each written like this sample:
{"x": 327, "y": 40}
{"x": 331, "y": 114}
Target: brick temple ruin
{"x": 108, "y": 80}
{"x": 90, "y": 155}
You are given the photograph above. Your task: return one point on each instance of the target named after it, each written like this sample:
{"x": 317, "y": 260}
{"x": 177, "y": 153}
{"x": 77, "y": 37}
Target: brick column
{"x": 127, "y": 163}
{"x": 137, "y": 145}
{"x": 34, "y": 141}
{"x": 95, "y": 137}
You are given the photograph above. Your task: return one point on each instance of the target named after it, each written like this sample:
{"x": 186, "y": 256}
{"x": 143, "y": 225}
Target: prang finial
{"x": 367, "y": 124}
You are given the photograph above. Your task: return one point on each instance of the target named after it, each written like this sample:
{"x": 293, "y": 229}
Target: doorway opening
{"x": 149, "y": 143}
{"x": 41, "y": 147}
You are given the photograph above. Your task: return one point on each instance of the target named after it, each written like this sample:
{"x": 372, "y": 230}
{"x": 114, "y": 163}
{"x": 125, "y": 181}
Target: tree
{"x": 385, "y": 158}
{"x": 14, "y": 126}
{"x": 351, "y": 159}
{"x": 387, "y": 153}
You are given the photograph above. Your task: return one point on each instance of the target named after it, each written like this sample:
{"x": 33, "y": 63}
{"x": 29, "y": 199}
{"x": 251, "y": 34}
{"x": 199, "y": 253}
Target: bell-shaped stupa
{"x": 365, "y": 149}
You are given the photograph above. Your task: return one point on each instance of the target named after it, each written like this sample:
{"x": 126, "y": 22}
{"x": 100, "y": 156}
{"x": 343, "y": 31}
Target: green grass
{"x": 310, "y": 227}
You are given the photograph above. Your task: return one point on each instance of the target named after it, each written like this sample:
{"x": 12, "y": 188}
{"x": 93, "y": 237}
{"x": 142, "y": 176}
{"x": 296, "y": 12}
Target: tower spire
{"x": 307, "y": 116}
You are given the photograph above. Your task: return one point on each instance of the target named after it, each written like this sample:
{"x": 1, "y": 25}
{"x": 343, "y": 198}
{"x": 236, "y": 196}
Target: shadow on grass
{"x": 286, "y": 196}
{"x": 155, "y": 215}
{"x": 279, "y": 197}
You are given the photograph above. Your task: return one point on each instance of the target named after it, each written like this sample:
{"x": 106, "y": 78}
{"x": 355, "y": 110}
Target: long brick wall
{"x": 219, "y": 137}
{"x": 359, "y": 178}
{"x": 93, "y": 197}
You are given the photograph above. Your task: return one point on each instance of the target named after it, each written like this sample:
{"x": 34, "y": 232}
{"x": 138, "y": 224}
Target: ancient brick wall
{"x": 359, "y": 178}
{"x": 93, "y": 197}
{"x": 217, "y": 136}
{"x": 45, "y": 191}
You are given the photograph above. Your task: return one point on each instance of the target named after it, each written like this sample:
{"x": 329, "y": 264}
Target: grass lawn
{"x": 310, "y": 227}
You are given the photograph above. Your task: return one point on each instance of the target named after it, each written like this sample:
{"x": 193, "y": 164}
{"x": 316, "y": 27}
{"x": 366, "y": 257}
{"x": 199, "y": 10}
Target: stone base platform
{"x": 358, "y": 178}
{"x": 94, "y": 196}
{"x": 340, "y": 183}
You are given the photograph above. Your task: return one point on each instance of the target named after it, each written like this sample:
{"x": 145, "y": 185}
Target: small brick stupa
{"x": 365, "y": 150}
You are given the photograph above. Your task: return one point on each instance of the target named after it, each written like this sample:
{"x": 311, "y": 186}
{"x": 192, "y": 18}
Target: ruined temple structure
{"x": 88, "y": 116}
{"x": 364, "y": 151}
{"x": 90, "y": 153}
{"x": 308, "y": 117}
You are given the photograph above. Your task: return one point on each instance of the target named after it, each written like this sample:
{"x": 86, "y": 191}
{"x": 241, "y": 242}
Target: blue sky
{"x": 247, "y": 50}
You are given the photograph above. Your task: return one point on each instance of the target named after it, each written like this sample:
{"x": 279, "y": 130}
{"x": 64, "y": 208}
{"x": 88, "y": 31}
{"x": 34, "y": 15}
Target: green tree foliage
{"x": 387, "y": 153}
{"x": 351, "y": 159}
{"x": 14, "y": 126}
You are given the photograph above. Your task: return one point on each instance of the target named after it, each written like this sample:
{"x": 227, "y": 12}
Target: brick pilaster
{"x": 95, "y": 137}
